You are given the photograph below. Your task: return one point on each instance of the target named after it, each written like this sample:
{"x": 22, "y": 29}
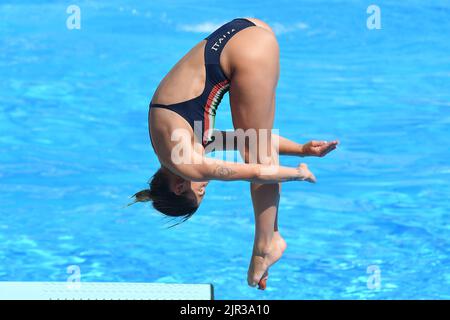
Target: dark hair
{"x": 165, "y": 200}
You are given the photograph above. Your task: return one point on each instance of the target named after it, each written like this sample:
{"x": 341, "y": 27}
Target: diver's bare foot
{"x": 259, "y": 264}
{"x": 278, "y": 241}
{"x": 261, "y": 261}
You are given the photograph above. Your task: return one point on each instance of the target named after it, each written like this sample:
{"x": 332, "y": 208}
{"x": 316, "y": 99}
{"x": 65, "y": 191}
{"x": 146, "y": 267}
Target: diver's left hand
{"x": 318, "y": 148}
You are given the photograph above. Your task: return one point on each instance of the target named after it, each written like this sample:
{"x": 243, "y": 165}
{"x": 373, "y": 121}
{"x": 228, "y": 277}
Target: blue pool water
{"x": 74, "y": 146}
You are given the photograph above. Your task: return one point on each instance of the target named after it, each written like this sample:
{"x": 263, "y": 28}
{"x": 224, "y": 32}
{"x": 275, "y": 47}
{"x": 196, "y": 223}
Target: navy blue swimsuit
{"x": 200, "y": 112}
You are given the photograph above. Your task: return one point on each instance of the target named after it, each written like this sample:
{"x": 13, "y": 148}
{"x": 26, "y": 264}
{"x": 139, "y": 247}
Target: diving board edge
{"x": 104, "y": 291}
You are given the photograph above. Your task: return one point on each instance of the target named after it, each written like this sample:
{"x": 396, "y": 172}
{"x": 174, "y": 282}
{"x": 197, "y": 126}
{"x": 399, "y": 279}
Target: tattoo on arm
{"x": 224, "y": 172}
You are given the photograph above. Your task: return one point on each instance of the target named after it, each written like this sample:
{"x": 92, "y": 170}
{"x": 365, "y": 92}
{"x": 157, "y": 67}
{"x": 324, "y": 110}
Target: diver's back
{"x": 185, "y": 80}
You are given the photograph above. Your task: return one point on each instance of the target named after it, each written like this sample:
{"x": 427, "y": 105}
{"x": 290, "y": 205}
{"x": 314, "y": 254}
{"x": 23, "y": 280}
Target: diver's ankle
{"x": 262, "y": 249}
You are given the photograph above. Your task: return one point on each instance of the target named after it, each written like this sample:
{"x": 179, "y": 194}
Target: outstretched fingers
{"x": 324, "y": 147}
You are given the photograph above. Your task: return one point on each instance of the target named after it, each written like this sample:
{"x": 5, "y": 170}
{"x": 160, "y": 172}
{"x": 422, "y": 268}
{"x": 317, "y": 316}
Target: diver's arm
{"x": 202, "y": 169}
{"x": 257, "y": 173}
{"x": 227, "y": 140}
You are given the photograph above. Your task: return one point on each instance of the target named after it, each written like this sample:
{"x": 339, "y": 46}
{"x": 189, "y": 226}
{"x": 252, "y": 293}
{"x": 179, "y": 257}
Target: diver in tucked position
{"x": 242, "y": 57}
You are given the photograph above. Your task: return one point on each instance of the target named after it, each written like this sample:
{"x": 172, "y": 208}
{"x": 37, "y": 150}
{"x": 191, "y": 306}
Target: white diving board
{"x": 104, "y": 291}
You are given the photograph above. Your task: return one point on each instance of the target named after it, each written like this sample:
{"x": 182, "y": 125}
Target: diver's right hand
{"x": 305, "y": 174}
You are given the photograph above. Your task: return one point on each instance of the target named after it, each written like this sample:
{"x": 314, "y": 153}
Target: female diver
{"x": 242, "y": 57}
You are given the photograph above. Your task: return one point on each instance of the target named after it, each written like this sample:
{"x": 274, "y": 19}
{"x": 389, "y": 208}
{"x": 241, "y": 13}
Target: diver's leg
{"x": 278, "y": 244}
{"x": 252, "y": 94}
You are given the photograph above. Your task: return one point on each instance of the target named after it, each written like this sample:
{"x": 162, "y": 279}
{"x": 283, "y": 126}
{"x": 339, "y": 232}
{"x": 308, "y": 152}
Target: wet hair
{"x": 165, "y": 200}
